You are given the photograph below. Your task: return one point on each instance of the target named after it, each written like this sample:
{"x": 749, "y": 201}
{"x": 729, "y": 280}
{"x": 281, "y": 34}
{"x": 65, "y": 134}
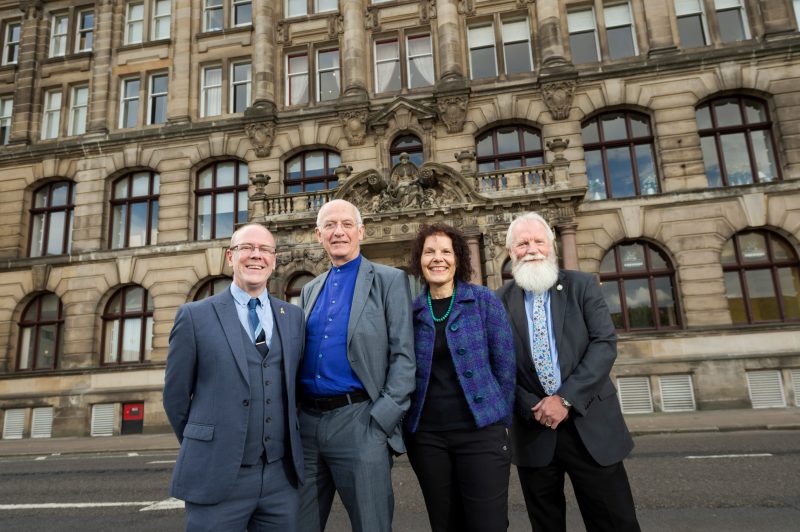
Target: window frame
{"x": 131, "y": 23}
{"x": 35, "y": 336}
{"x": 218, "y": 9}
{"x": 290, "y": 76}
{"x": 156, "y": 20}
{"x": 51, "y": 113}
{"x": 336, "y": 70}
{"x": 631, "y": 25}
{"x": 6, "y": 103}
{"x": 471, "y": 29}
{"x": 83, "y": 32}
{"x": 234, "y": 84}
{"x": 147, "y": 323}
{"x": 46, "y": 212}
{"x": 204, "y": 90}
{"x": 214, "y": 191}
{"x": 504, "y": 44}
{"x": 152, "y": 201}
{"x": 8, "y": 44}
{"x": 396, "y": 60}
{"x": 594, "y": 30}
{"x": 395, "y": 150}
{"x": 74, "y": 107}
{"x": 125, "y": 102}
{"x": 410, "y": 58}
{"x": 234, "y": 14}
{"x": 497, "y": 157}
{"x": 743, "y": 20}
{"x": 328, "y": 176}
{"x": 701, "y": 12}
{"x": 59, "y": 42}
{"x": 153, "y": 98}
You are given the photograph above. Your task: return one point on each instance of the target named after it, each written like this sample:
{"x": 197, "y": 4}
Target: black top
{"x": 445, "y": 407}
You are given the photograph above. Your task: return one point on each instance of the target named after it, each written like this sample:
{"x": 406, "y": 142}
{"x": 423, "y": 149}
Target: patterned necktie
{"x": 542, "y": 359}
{"x": 252, "y": 316}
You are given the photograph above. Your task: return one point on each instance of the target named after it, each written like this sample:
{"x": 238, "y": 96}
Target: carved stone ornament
{"x": 427, "y": 11}
{"x": 453, "y": 112}
{"x": 282, "y": 33}
{"x": 261, "y": 135}
{"x": 372, "y": 20}
{"x": 354, "y": 123}
{"x": 558, "y": 98}
{"x": 335, "y": 26}
{"x": 522, "y": 3}
{"x": 466, "y": 7}
{"x": 31, "y": 8}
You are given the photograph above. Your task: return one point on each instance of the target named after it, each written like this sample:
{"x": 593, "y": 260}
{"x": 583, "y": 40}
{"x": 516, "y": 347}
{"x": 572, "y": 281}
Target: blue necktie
{"x": 542, "y": 359}
{"x": 252, "y": 316}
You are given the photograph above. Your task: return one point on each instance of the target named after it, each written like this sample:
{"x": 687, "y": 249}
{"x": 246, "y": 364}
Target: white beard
{"x": 536, "y": 276}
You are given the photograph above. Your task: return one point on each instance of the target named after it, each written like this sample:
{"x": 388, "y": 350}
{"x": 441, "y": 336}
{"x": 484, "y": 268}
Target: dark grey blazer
{"x": 380, "y": 341}
{"x": 587, "y": 348}
{"x": 207, "y": 393}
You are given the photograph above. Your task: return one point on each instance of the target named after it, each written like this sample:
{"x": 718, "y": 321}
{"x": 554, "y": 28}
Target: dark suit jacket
{"x": 587, "y": 348}
{"x": 380, "y": 341}
{"x": 207, "y": 393}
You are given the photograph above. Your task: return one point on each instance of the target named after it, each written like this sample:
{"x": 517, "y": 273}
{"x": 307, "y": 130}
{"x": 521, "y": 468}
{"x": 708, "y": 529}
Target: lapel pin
{"x": 282, "y": 312}
{"x": 558, "y": 287}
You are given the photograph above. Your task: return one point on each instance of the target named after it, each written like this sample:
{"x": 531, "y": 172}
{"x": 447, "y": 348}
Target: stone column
{"x": 101, "y": 68}
{"x": 777, "y": 18}
{"x": 264, "y": 54}
{"x": 569, "y": 245}
{"x": 354, "y": 54}
{"x": 33, "y": 30}
{"x": 659, "y": 29}
{"x": 449, "y": 41}
{"x": 551, "y": 42}
{"x": 473, "y": 241}
{"x": 181, "y": 52}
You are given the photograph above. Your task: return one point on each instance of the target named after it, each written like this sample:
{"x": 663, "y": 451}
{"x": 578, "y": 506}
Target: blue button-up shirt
{"x": 326, "y": 370}
{"x": 551, "y": 337}
{"x": 264, "y": 312}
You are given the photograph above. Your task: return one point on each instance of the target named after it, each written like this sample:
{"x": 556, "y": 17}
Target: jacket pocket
{"x": 197, "y": 431}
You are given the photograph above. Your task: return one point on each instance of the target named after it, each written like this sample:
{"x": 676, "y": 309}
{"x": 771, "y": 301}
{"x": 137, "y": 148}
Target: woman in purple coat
{"x": 456, "y": 432}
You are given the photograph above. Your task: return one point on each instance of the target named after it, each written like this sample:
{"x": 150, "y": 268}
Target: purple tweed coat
{"x": 482, "y": 347}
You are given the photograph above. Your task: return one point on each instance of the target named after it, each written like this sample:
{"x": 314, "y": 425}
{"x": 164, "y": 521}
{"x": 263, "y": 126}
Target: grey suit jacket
{"x": 380, "y": 341}
{"x": 207, "y": 393}
{"x": 587, "y": 347}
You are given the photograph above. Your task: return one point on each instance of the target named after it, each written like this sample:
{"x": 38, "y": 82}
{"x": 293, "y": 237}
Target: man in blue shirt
{"x": 356, "y": 378}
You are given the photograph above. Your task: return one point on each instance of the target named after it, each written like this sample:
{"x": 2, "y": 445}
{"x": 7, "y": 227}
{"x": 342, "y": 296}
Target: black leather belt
{"x": 335, "y": 401}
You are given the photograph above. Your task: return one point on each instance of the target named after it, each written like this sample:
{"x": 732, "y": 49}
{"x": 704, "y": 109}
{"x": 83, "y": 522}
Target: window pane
{"x": 648, "y": 183}
{"x": 532, "y": 140}
{"x": 765, "y": 157}
{"x": 755, "y": 111}
{"x": 728, "y": 112}
{"x": 620, "y": 42}
{"x": 621, "y": 172}
{"x": 611, "y": 295}
{"x": 420, "y": 71}
{"x": 243, "y": 13}
{"x": 583, "y": 47}
{"x": 132, "y": 340}
{"x": 484, "y": 146}
{"x": 730, "y": 25}
{"x": 667, "y": 313}
{"x": 481, "y": 36}
{"x": 789, "y": 279}
{"x": 517, "y": 57}
{"x": 781, "y": 250}
{"x": 47, "y": 346}
{"x": 640, "y": 126}
{"x": 508, "y": 141}
{"x": 133, "y": 300}
{"x": 657, "y": 261}
{"x": 49, "y": 307}
{"x": 315, "y": 164}
{"x": 640, "y": 306}
{"x": 753, "y": 247}
{"x": 703, "y": 117}
{"x": 241, "y": 215}
{"x": 141, "y": 184}
{"x": 329, "y": 85}
{"x": 224, "y": 215}
{"x": 388, "y": 76}
{"x": 243, "y": 174}
{"x": 204, "y": 178}
{"x": 118, "y": 220}
{"x": 294, "y": 168}
{"x": 226, "y": 173}
{"x": 737, "y": 161}
{"x": 631, "y": 257}
{"x": 204, "y": 217}
{"x": 614, "y": 126}
{"x": 483, "y": 63}
{"x": 713, "y": 173}
{"x": 37, "y": 235}
{"x": 138, "y": 232}
{"x": 589, "y": 133}
{"x": 690, "y": 29}
{"x": 25, "y": 354}
{"x": 296, "y": 8}
{"x": 608, "y": 265}
{"x": 112, "y": 341}
{"x": 595, "y": 173}
{"x": 761, "y": 290}
{"x": 733, "y": 291}
{"x": 55, "y": 239}
{"x": 148, "y": 337}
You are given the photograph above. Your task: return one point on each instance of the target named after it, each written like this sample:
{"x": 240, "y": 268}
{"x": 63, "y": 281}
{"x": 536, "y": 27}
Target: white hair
{"x": 530, "y": 217}
{"x": 333, "y": 202}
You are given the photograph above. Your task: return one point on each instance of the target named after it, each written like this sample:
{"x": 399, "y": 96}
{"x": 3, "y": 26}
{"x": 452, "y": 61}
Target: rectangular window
{"x": 129, "y": 103}
{"x": 242, "y": 12}
{"x": 517, "y": 46}
{"x": 296, "y": 79}
{"x": 134, "y": 23}
{"x": 211, "y": 91}
{"x": 296, "y": 8}
{"x": 157, "y": 102}
{"x": 78, "y": 107}
{"x": 52, "y": 114}
{"x": 619, "y": 30}
{"x": 322, "y": 6}
{"x": 482, "y": 56}
{"x": 6, "y": 108}
{"x": 419, "y": 62}
{"x": 84, "y": 35}
{"x": 11, "y": 43}
{"x": 212, "y": 15}
{"x": 732, "y": 20}
{"x": 161, "y": 19}
{"x": 691, "y": 23}
{"x": 582, "y": 36}
{"x": 241, "y": 82}
{"x": 328, "y": 76}
{"x": 387, "y": 66}
{"x": 58, "y": 35}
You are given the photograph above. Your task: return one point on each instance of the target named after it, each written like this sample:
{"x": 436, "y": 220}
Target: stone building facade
{"x": 660, "y": 138}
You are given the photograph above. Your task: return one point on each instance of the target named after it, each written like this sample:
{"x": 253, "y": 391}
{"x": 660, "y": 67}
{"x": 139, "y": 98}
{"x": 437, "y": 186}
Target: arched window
{"x": 221, "y": 196}
{"x": 51, "y": 219}
{"x": 134, "y": 210}
{"x": 41, "y": 333}
{"x": 762, "y": 278}
{"x": 128, "y": 326}
{"x": 736, "y": 139}
{"x": 409, "y": 144}
{"x": 509, "y": 147}
{"x": 620, "y": 161}
{"x": 295, "y": 285}
{"x": 214, "y": 286}
{"x": 312, "y": 170}
{"x": 638, "y": 283}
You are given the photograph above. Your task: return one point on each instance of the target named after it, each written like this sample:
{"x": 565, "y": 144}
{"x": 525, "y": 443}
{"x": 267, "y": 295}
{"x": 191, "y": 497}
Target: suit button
{"x": 461, "y": 350}
{"x": 468, "y": 374}
{"x": 454, "y": 327}
{"x": 269, "y": 401}
{"x": 245, "y": 403}
{"x": 478, "y": 398}
{"x": 268, "y": 420}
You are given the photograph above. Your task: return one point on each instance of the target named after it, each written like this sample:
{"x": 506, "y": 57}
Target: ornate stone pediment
{"x": 402, "y": 110}
{"x": 406, "y": 187}
{"x": 558, "y": 98}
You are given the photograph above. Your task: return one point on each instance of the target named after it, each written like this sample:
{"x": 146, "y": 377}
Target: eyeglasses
{"x": 248, "y": 249}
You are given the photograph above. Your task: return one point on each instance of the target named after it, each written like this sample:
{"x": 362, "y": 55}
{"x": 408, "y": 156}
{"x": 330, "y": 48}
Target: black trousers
{"x": 464, "y": 477}
{"x": 603, "y": 492}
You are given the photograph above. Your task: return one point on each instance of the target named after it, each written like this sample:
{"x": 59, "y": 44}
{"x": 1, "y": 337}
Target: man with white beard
{"x": 567, "y": 417}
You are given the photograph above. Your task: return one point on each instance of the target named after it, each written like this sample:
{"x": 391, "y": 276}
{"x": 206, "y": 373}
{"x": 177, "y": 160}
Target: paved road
{"x": 733, "y": 481}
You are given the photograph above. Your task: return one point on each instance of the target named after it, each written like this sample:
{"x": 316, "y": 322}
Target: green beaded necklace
{"x": 449, "y": 309}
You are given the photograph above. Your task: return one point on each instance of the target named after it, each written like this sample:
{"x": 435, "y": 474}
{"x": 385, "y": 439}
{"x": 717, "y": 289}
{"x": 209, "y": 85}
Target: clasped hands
{"x": 550, "y": 411}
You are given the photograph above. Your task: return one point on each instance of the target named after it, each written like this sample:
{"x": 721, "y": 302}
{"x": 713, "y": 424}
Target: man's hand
{"x": 550, "y": 411}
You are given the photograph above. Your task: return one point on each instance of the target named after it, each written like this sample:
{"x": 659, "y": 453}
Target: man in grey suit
{"x": 566, "y": 416}
{"x": 356, "y": 378}
{"x": 229, "y": 393}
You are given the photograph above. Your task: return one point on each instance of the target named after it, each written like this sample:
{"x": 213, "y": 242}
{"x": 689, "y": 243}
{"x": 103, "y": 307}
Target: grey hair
{"x": 529, "y": 217}
{"x": 319, "y": 213}
{"x": 245, "y": 226}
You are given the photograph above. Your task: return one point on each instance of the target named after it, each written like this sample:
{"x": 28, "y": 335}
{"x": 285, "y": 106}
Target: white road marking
{"x": 57, "y": 505}
{"x": 752, "y": 455}
{"x": 41, "y": 458}
{"x": 167, "y": 504}
{"x": 133, "y": 454}
{"x": 162, "y": 462}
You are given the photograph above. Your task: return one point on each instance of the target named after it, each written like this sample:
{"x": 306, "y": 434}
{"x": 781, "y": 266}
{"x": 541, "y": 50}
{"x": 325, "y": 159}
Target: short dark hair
{"x": 460, "y": 248}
